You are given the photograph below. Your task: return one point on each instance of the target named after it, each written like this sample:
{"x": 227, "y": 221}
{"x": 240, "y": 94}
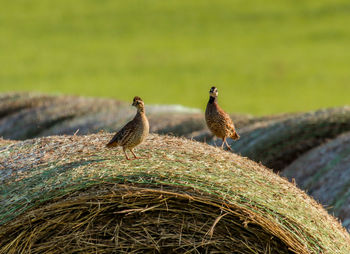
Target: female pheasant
{"x": 134, "y": 132}
{"x": 218, "y": 121}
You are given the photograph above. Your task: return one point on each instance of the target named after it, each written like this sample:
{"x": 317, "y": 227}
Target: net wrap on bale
{"x": 69, "y": 194}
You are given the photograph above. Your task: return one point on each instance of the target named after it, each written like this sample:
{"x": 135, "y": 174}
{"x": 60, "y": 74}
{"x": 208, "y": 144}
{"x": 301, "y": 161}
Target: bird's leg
{"x": 227, "y": 145}
{"x": 136, "y": 157}
{"x": 134, "y": 154}
{"x": 223, "y": 142}
{"x": 214, "y": 140}
{"x": 126, "y": 156}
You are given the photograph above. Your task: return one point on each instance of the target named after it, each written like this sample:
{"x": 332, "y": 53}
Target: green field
{"x": 264, "y": 56}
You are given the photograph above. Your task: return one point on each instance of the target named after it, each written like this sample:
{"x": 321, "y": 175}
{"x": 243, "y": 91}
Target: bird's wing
{"x": 123, "y": 134}
{"x": 228, "y": 119}
{"x": 225, "y": 117}
{"x": 228, "y": 123}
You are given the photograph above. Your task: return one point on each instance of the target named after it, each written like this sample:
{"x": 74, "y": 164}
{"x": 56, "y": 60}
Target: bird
{"x": 218, "y": 121}
{"x": 134, "y": 132}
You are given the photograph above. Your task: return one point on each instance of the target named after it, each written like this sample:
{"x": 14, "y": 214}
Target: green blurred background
{"x": 264, "y": 56}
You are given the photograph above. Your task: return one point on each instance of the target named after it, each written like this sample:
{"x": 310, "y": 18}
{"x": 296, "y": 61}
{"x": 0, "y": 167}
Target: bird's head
{"x": 138, "y": 102}
{"x": 214, "y": 92}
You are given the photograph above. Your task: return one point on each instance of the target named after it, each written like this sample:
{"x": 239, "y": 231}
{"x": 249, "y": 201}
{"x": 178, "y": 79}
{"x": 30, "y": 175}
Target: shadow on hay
{"x": 136, "y": 219}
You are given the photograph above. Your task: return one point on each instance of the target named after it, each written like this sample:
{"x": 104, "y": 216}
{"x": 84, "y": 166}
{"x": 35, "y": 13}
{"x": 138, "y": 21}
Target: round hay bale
{"x": 5, "y": 142}
{"x": 178, "y": 124}
{"x": 325, "y": 173}
{"x": 48, "y": 115}
{"x": 29, "y": 115}
{"x": 11, "y": 103}
{"x": 277, "y": 143}
{"x": 71, "y": 194}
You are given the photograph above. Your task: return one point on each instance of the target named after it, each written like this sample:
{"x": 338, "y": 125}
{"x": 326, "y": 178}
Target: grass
{"x": 265, "y": 57}
{"x": 53, "y": 173}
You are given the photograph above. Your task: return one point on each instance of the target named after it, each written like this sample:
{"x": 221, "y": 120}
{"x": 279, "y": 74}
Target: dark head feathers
{"x": 136, "y": 98}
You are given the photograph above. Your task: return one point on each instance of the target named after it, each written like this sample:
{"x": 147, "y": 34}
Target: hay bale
{"x": 29, "y": 115}
{"x": 71, "y": 194}
{"x": 325, "y": 173}
{"x": 6, "y": 142}
{"x": 177, "y": 124}
{"x": 45, "y": 115}
{"x": 11, "y": 103}
{"x": 276, "y": 143}
{"x": 192, "y": 126}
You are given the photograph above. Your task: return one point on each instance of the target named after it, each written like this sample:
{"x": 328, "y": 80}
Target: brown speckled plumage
{"x": 218, "y": 121}
{"x": 134, "y": 132}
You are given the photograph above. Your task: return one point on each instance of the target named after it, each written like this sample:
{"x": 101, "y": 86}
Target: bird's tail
{"x": 113, "y": 142}
{"x": 235, "y": 136}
